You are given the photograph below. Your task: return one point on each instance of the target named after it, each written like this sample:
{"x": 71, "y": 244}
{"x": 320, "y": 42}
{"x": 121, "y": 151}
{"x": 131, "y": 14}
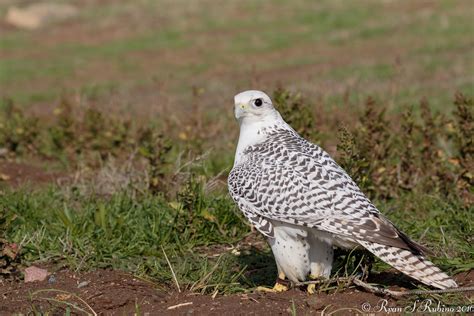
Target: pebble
{"x": 52, "y": 279}
{"x": 83, "y": 284}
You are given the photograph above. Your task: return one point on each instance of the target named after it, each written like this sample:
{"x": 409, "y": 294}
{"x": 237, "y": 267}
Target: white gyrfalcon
{"x": 304, "y": 203}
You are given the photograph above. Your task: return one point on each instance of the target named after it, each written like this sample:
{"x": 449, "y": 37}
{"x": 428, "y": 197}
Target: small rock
{"x": 33, "y": 274}
{"x": 83, "y": 284}
{"x": 235, "y": 252}
{"x": 63, "y": 296}
{"x": 3, "y": 152}
{"x": 315, "y": 303}
{"x": 39, "y": 15}
{"x": 52, "y": 279}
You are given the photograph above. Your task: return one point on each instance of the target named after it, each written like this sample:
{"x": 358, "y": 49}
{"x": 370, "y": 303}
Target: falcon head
{"x": 252, "y": 104}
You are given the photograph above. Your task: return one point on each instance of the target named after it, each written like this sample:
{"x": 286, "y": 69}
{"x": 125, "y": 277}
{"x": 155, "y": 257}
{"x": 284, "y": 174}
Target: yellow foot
{"x": 312, "y": 287}
{"x": 276, "y": 289}
{"x": 280, "y": 287}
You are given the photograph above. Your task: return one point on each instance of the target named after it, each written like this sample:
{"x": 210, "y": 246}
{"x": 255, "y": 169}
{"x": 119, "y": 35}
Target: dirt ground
{"x": 14, "y": 174}
{"x": 106, "y": 292}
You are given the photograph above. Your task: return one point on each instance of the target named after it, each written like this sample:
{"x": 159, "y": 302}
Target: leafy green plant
{"x": 154, "y": 147}
{"x": 297, "y": 112}
{"x": 463, "y": 139}
{"x": 18, "y": 132}
{"x": 62, "y": 134}
{"x": 102, "y": 134}
{"x": 10, "y": 260}
{"x": 365, "y": 151}
{"x": 352, "y": 160}
{"x": 417, "y": 155}
{"x": 408, "y": 172}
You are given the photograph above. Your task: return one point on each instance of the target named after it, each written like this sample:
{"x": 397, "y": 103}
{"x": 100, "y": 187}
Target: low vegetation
{"x": 137, "y": 201}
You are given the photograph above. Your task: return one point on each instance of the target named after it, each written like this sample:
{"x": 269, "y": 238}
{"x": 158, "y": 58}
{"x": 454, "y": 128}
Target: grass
{"x": 37, "y": 295}
{"x": 179, "y": 50}
{"x": 133, "y": 234}
{"x": 444, "y": 225}
{"x": 127, "y": 233}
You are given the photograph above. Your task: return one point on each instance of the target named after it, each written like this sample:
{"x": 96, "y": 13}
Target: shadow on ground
{"x": 260, "y": 266}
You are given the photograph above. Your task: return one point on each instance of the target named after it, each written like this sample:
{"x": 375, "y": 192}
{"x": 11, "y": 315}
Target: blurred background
{"x": 148, "y": 54}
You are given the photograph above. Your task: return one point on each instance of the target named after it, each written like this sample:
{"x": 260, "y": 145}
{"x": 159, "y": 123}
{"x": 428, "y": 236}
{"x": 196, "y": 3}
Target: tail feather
{"x": 412, "y": 264}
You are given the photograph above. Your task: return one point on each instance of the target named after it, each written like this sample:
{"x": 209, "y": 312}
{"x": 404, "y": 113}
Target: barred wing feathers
{"x": 311, "y": 195}
{"x": 290, "y": 180}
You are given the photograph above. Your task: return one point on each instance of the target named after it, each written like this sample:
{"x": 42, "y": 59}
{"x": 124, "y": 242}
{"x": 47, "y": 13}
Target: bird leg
{"x": 363, "y": 260}
{"x": 366, "y": 265}
{"x": 312, "y": 287}
{"x": 281, "y": 285}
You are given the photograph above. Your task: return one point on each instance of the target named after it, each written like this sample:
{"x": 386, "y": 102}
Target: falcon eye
{"x": 258, "y": 102}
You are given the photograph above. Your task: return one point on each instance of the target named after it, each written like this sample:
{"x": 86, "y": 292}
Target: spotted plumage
{"x": 296, "y": 195}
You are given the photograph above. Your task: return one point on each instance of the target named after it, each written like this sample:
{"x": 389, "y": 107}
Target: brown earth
{"x": 106, "y": 292}
{"x": 14, "y": 174}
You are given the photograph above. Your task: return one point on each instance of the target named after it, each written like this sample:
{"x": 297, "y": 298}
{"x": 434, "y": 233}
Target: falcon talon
{"x": 305, "y": 204}
{"x": 277, "y": 288}
{"x": 311, "y": 289}
{"x": 283, "y": 282}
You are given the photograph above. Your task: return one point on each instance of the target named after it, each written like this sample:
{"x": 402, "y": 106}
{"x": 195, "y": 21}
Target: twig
{"x": 171, "y": 268}
{"x": 180, "y": 305}
{"x": 442, "y": 233}
{"x": 423, "y": 235}
{"x": 79, "y": 266}
{"x": 374, "y": 289}
{"x": 203, "y": 287}
{"x": 74, "y": 306}
{"x": 328, "y": 281}
{"x": 378, "y": 290}
{"x": 191, "y": 162}
{"x": 95, "y": 295}
{"x": 349, "y": 309}
{"x": 251, "y": 299}
{"x": 200, "y": 284}
{"x": 67, "y": 303}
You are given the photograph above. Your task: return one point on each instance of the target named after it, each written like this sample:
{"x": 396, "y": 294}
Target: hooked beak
{"x": 239, "y": 110}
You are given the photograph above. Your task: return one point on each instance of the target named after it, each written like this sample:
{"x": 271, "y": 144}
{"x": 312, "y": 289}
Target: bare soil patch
{"x": 15, "y": 174}
{"x": 109, "y": 292}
